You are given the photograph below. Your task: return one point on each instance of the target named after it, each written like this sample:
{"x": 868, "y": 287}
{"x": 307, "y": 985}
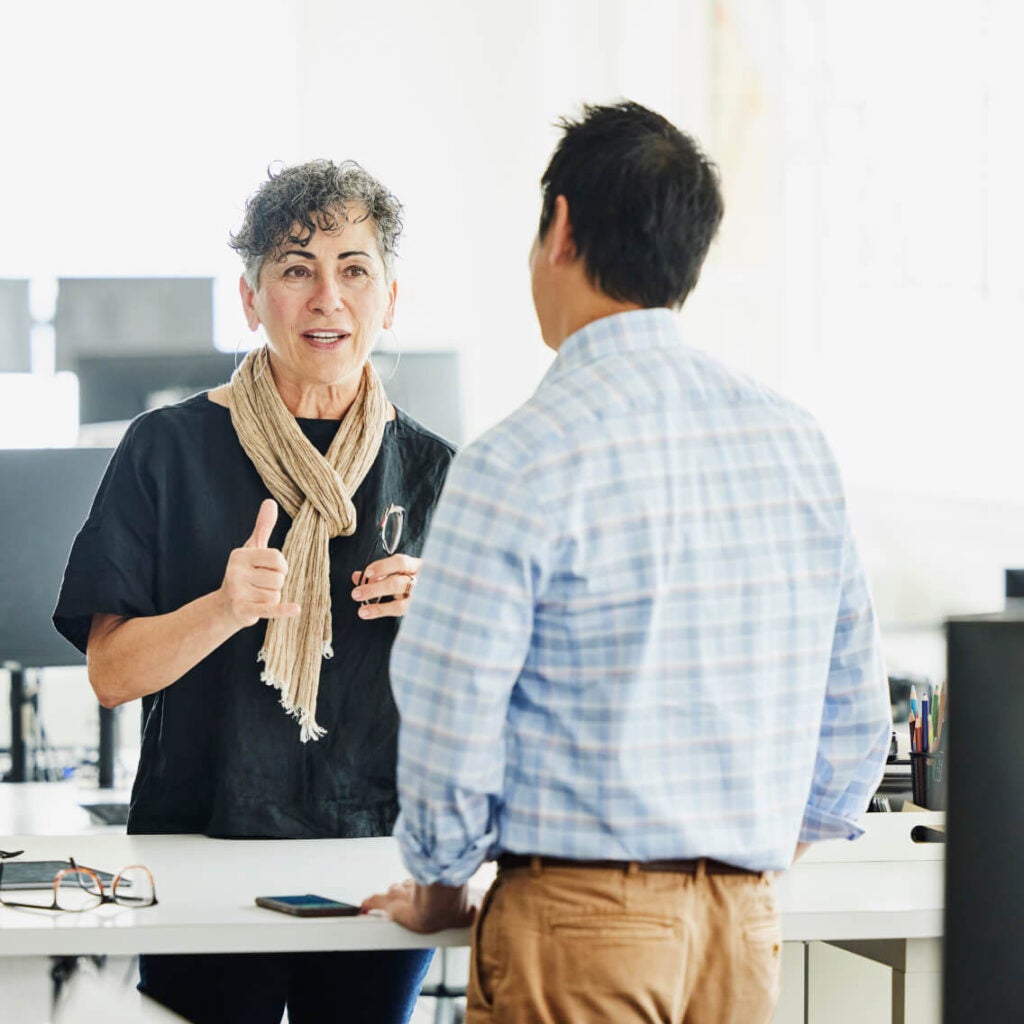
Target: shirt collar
{"x": 635, "y": 331}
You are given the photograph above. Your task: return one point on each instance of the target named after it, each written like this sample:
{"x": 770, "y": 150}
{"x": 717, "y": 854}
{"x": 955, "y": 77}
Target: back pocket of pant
{"x": 613, "y": 928}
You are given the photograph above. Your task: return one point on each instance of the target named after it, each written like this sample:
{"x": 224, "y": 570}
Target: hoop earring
{"x": 387, "y": 361}
{"x": 240, "y": 355}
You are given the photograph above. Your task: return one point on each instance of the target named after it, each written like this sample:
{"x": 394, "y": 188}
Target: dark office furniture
{"x": 114, "y": 388}
{"x": 983, "y": 980}
{"x": 44, "y": 499}
{"x": 137, "y": 342}
{"x": 15, "y": 327}
{"x": 1014, "y": 581}
{"x": 426, "y": 385}
{"x": 132, "y": 316}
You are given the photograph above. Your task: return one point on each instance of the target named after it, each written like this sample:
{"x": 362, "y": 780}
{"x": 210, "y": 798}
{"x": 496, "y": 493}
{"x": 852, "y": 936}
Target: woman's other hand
{"x": 255, "y": 575}
{"x": 392, "y": 577}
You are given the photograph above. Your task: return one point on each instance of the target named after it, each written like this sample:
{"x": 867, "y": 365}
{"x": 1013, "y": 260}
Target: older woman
{"x": 235, "y": 542}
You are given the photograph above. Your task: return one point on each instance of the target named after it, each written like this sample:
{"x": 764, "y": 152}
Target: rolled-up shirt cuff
{"x": 819, "y": 824}
{"x": 428, "y": 866}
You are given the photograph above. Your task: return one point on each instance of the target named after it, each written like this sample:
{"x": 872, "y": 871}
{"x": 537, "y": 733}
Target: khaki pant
{"x": 571, "y": 945}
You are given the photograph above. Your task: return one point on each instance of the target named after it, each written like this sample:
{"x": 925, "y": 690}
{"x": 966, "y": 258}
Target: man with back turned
{"x": 641, "y": 669}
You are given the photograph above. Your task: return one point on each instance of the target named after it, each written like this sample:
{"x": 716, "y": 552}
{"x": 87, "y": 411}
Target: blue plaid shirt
{"x": 641, "y": 630}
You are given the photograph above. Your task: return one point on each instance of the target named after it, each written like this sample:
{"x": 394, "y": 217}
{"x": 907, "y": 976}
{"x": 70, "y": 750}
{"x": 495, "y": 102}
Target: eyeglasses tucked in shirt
{"x": 389, "y": 536}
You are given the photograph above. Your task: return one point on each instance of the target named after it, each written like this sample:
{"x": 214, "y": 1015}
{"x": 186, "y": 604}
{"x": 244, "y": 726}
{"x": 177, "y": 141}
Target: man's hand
{"x": 254, "y": 578}
{"x": 392, "y": 577}
{"x": 424, "y": 908}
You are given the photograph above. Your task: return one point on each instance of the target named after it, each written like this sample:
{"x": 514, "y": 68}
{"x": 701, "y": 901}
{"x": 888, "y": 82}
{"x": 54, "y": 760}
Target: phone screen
{"x": 308, "y": 906}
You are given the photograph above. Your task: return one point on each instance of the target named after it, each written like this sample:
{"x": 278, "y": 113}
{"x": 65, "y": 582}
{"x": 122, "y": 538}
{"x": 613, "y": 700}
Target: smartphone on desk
{"x": 307, "y": 906}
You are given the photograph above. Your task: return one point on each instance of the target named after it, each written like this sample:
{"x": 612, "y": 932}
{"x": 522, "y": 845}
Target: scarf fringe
{"x": 308, "y": 728}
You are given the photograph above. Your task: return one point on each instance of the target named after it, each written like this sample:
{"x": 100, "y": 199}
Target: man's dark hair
{"x": 644, "y": 202}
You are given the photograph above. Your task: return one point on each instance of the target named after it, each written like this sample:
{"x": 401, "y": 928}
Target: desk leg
{"x": 21, "y": 701}
{"x": 792, "y": 1005}
{"x": 108, "y": 746}
{"x": 446, "y": 981}
{"x": 444, "y": 1005}
{"x": 916, "y": 975}
{"x": 106, "y": 995}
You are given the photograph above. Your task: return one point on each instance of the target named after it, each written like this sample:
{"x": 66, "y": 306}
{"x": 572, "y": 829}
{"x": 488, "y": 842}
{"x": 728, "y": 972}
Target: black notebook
{"x": 38, "y": 874}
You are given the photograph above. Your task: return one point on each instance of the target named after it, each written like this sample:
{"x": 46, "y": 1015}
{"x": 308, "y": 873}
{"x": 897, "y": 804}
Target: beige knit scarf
{"x": 315, "y": 490}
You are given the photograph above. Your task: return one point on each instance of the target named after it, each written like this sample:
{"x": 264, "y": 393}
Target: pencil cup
{"x": 936, "y": 763}
{"x": 928, "y": 779}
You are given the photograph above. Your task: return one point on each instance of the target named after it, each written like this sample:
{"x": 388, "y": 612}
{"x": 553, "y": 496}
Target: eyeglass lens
{"x": 78, "y": 890}
{"x": 133, "y": 887}
{"x": 391, "y": 525}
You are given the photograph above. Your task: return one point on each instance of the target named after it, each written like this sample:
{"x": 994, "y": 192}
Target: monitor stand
{"x": 23, "y": 696}
{"x": 25, "y": 704}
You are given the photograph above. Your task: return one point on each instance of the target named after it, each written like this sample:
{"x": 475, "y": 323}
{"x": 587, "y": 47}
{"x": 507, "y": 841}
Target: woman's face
{"x": 322, "y": 306}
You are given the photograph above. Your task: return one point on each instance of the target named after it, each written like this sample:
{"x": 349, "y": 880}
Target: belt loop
{"x": 535, "y": 867}
{"x": 632, "y": 869}
{"x": 702, "y": 869}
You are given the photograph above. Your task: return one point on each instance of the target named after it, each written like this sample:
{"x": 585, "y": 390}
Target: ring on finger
{"x": 409, "y": 586}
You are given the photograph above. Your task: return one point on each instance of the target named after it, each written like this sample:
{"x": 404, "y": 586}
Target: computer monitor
{"x": 112, "y": 388}
{"x": 15, "y": 327}
{"x": 984, "y": 819}
{"x": 45, "y": 496}
{"x": 132, "y": 316}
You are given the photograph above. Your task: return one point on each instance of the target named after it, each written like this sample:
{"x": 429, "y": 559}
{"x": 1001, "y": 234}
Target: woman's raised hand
{"x": 255, "y": 574}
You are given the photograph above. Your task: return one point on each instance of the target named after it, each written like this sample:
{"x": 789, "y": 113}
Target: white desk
{"x": 881, "y": 896}
{"x": 206, "y": 889}
{"x": 882, "y": 886}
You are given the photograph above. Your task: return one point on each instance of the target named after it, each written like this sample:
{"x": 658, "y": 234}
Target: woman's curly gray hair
{"x": 311, "y": 196}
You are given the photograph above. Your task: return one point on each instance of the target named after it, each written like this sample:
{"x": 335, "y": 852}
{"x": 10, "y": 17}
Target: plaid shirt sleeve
{"x": 459, "y": 653}
{"x": 856, "y": 719}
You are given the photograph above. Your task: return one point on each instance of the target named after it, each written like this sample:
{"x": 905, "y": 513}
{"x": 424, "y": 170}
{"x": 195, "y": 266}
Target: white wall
{"x": 453, "y": 104}
{"x": 132, "y": 133}
{"x": 869, "y": 251}
{"x": 869, "y": 267}
{"x": 139, "y": 137}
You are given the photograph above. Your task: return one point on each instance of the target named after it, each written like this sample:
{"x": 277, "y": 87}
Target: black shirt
{"x": 219, "y": 754}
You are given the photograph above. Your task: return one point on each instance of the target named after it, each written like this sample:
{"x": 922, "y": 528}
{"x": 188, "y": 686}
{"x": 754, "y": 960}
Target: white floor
{"x": 107, "y": 994}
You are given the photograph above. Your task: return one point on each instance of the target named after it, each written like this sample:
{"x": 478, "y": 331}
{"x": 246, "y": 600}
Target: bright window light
{"x": 38, "y": 410}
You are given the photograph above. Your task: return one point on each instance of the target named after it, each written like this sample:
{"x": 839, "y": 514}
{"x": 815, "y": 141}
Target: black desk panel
{"x": 985, "y": 820}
